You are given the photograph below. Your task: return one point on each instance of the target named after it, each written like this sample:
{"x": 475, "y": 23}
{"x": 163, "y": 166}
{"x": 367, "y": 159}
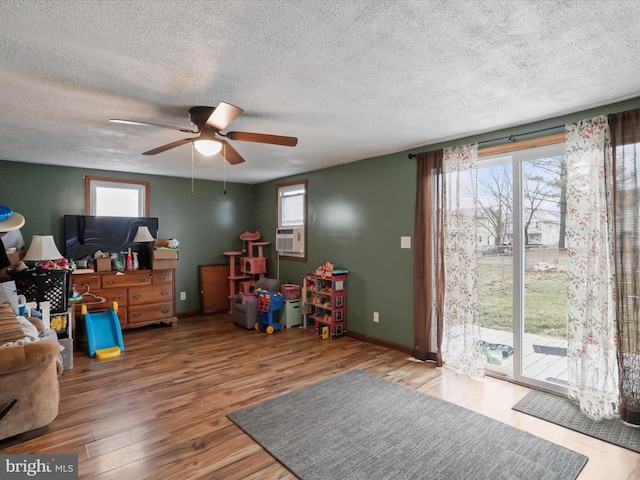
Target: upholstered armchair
{"x": 244, "y": 311}
{"x": 29, "y": 392}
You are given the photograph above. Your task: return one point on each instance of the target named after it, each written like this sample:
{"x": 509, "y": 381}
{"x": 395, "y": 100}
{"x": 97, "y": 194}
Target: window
{"x": 292, "y": 214}
{"x": 113, "y": 197}
{"x": 522, "y": 285}
{"x": 291, "y": 205}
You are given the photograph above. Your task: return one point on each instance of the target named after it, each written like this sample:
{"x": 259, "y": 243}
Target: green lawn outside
{"x": 545, "y": 298}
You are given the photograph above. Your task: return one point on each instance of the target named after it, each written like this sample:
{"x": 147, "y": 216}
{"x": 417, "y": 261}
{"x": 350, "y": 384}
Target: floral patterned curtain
{"x": 460, "y": 346}
{"x": 591, "y": 322}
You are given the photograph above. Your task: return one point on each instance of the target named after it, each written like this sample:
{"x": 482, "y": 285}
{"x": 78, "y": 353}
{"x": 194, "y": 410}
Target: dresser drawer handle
{"x": 137, "y": 296}
{"x": 111, "y": 282}
{"x": 115, "y": 298}
{"x": 164, "y": 294}
{"x": 162, "y": 278}
{"x": 137, "y": 314}
{"x": 165, "y": 310}
{"x": 142, "y": 279}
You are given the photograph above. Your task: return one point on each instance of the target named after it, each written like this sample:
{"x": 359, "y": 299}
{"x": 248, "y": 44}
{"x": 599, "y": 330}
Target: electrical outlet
{"x": 183, "y": 295}
{"x": 376, "y": 317}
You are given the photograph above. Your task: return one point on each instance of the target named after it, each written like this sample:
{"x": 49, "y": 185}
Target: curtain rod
{"x": 510, "y": 138}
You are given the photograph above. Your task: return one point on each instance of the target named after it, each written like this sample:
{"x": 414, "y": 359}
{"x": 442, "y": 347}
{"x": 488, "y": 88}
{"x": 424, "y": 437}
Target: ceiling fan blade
{"x": 230, "y": 153}
{"x": 263, "y": 138}
{"x": 147, "y": 124}
{"x": 223, "y": 115}
{"x": 169, "y": 146}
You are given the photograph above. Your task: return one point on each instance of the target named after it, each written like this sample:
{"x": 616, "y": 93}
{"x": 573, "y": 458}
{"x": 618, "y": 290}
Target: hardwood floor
{"x": 159, "y": 411}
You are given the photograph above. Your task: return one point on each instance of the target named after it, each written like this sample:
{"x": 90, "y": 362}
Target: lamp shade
{"x": 208, "y": 147}
{"x": 143, "y": 235}
{"x": 42, "y": 248}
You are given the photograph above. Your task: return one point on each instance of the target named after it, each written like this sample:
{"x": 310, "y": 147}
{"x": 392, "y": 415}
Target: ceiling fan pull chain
{"x": 193, "y": 192}
{"x": 224, "y": 169}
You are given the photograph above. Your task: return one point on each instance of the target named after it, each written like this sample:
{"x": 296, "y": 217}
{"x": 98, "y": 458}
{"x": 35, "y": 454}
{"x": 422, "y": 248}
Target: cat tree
{"x": 251, "y": 267}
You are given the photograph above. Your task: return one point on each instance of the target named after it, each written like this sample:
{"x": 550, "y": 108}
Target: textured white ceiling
{"x": 351, "y": 79}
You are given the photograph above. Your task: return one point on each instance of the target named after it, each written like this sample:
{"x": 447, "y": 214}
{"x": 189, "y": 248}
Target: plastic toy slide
{"x": 104, "y": 334}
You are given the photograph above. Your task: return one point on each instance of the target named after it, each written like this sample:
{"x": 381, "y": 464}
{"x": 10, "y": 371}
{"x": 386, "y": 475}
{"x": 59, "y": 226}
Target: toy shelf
{"x": 325, "y": 304}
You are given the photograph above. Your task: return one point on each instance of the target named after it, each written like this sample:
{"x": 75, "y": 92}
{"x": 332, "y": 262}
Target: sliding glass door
{"x": 522, "y": 265}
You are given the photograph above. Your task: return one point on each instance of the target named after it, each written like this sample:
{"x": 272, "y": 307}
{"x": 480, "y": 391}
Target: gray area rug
{"x": 562, "y": 411}
{"x": 360, "y": 426}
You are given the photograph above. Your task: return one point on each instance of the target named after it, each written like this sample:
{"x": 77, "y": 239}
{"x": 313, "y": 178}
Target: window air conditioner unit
{"x": 290, "y": 240}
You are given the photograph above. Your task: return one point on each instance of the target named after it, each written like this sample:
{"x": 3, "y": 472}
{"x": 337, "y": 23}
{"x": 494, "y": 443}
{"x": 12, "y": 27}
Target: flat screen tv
{"x": 85, "y": 234}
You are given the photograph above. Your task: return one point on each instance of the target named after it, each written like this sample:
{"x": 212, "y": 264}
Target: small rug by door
{"x": 562, "y": 411}
{"x": 360, "y": 426}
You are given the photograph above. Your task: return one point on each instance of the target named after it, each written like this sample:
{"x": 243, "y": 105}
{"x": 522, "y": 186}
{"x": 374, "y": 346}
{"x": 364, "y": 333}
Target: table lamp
{"x": 42, "y": 247}
{"x": 143, "y": 235}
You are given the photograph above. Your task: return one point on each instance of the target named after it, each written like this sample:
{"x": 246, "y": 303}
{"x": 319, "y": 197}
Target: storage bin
{"x": 44, "y": 285}
{"x": 291, "y": 315}
{"x": 290, "y": 291}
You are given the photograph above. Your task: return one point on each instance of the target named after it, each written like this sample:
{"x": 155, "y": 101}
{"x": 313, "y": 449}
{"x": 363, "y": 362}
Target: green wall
{"x": 206, "y": 224}
{"x": 356, "y": 215}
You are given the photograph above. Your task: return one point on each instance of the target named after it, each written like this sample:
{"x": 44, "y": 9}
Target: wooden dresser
{"x": 144, "y": 296}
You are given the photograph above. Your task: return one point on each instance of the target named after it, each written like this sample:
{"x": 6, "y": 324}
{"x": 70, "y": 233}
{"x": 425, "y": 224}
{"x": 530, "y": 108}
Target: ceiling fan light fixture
{"x": 207, "y": 148}
{"x": 209, "y": 121}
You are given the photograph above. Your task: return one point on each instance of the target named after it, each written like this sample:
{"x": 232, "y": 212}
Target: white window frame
{"x": 516, "y": 157}
{"x": 92, "y": 184}
{"x": 282, "y": 191}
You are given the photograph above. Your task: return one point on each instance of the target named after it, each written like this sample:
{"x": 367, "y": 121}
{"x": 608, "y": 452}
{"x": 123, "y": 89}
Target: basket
{"x": 44, "y": 285}
{"x": 269, "y": 301}
{"x": 290, "y": 291}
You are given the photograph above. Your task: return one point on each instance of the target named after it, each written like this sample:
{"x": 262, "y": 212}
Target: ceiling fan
{"x": 209, "y": 121}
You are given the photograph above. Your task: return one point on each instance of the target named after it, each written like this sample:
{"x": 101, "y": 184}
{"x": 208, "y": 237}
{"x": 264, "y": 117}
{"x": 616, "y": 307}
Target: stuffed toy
{"x": 325, "y": 270}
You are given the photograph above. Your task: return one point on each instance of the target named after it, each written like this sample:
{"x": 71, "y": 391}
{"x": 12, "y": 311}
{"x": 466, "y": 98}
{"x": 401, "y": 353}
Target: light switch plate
{"x": 405, "y": 242}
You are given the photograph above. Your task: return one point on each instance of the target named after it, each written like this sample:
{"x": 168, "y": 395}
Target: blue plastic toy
{"x": 104, "y": 334}
{"x": 268, "y": 302}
